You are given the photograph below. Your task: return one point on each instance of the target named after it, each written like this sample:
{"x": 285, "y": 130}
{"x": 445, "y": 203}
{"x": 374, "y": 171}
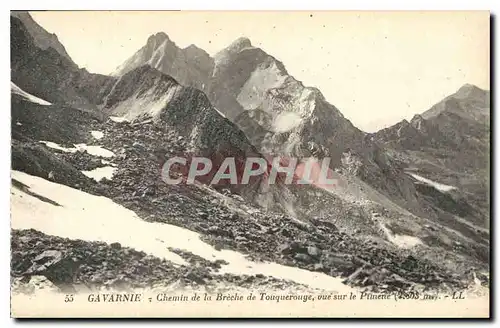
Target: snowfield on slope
{"x": 220, "y": 113}
{"x": 101, "y": 172}
{"x": 286, "y": 121}
{"x": 97, "y": 134}
{"x": 94, "y": 218}
{"x": 143, "y": 104}
{"x": 118, "y": 119}
{"x": 402, "y": 241}
{"x": 92, "y": 150}
{"x": 34, "y": 99}
{"x": 439, "y": 186}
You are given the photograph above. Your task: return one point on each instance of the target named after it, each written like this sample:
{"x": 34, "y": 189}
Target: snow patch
{"x": 439, "y": 186}
{"x": 95, "y": 150}
{"x": 158, "y": 55}
{"x": 105, "y": 162}
{"x": 262, "y": 79}
{"x": 97, "y": 134}
{"x": 94, "y": 218}
{"x": 399, "y": 131}
{"x": 145, "y": 104}
{"x": 218, "y": 111}
{"x": 82, "y": 216}
{"x": 54, "y": 145}
{"x": 402, "y": 241}
{"x": 286, "y": 121}
{"x": 101, "y": 172}
{"x": 34, "y": 99}
{"x": 92, "y": 150}
{"x": 118, "y": 119}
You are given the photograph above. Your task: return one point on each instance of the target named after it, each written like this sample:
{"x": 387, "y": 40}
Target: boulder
{"x": 291, "y": 248}
{"x": 116, "y": 246}
{"x": 314, "y": 251}
{"x": 303, "y": 258}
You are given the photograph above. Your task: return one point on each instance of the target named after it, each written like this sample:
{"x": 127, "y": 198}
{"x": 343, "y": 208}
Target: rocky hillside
{"x": 40, "y": 66}
{"x": 450, "y": 145}
{"x": 460, "y": 122}
{"x": 41, "y": 37}
{"x": 104, "y": 139}
{"x": 336, "y": 244}
{"x": 282, "y": 116}
{"x": 279, "y": 115}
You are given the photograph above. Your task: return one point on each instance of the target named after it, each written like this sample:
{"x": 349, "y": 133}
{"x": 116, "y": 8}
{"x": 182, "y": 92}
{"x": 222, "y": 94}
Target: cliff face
{"x": 395, "y": 216}
{"x": 279, "y": 115}
{"x": 254, "y": 90}
{"x": 146, "y": 92}
{"x": 41, "y": 67}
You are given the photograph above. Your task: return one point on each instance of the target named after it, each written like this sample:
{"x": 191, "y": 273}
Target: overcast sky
{"x": 376, "y": 67}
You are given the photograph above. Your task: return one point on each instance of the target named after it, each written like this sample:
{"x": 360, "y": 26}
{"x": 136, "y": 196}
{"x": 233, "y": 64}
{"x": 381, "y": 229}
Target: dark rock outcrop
{"x": 41, "y": 67}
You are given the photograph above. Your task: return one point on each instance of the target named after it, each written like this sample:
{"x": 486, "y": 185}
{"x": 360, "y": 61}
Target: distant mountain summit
{"x": 402, "y": 200}
{"x": 450, "y": 144}
{"x": 469, "y": 102}
{"x": 277, "y": 113}
{"x": 456, "y": 121}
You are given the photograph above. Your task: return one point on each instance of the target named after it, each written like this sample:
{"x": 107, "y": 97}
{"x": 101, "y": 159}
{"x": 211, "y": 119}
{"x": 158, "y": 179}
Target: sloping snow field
{"x": 93, "y": 218}
{"x": 34, "y": 99}
{"x": 439, "y": 186}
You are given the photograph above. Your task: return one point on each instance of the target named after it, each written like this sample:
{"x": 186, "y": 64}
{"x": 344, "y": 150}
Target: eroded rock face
{"x": 279, "y": 115}
{"x": 32, "y": 284}
{"x": 147, "y": 93}
{"x": 108, "y": 267}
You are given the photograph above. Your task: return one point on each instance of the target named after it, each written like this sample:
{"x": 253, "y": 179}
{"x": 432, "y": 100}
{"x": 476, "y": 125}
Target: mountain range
{"x": 417, "y": 191}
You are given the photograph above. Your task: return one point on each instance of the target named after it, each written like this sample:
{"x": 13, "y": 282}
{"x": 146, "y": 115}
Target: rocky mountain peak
{"x": 157, "y": 39}
{"x": 190, "y": 66}
{"x": 470, "y": 90}
{"x": 192, "y": 48}
{"x": 240, "y": 43}
{"x": 468, "y": 102}
{"x": 468, "y": 87}
{"x": 200, "y": 58}
{"x": 226, "y": 55}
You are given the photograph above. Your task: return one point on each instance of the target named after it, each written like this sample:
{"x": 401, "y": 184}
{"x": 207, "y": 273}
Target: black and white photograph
{"x": 250, "y": 164}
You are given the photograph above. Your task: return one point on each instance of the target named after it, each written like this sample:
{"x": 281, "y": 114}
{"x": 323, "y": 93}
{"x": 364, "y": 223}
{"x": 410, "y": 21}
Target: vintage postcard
{"x": 250, "y": 164}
